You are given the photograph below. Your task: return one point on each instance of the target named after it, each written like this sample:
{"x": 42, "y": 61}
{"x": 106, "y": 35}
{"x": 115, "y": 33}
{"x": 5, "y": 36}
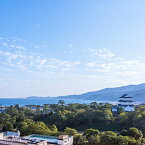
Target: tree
{"x": 94, "y": 105}
{"x": 45, "y": 108}
{"x": 124, "y": 132}
{"x": 108, "y": 138}
{"x": 38, "y": 108}
{"x": 121, "y": 140}
{"x": 12, "y": 111}
{"x": 61, "y": 102}
{"x": 38, "y": 128}
{"x": 134, "y": 132}
{"x": 8, "y": 127}
{"x": 79, "y": 140}
{"x": 94, "y": 140}
{"x": 70, "y": 131}
{"x": 91, "y": 132}
{"x": 54, "y": 128}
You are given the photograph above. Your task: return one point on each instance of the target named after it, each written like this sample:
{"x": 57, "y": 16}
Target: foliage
{"x": 94, "y": 120}
{"x": 70, "y": 131}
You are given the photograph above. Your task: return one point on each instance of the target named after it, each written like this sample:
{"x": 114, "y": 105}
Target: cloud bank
{"x": 23, "y": 63}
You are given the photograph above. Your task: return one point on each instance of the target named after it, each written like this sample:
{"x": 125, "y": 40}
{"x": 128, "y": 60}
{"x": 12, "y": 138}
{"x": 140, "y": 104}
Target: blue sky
{"x": 61, "y": 47}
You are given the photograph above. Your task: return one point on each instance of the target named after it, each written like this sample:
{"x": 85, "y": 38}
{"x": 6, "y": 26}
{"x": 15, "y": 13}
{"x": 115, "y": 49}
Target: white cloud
{"x": 91, "y": 64}
{"x": 17, "y": 39}
{"x": 107, "y": 63}
{"x": 101, "y": 52}
{"x": 118, "y": 68}
{"x": 18, "y": 57}
{"x": 43, "y": 61}
{"x": 85, "y": 69}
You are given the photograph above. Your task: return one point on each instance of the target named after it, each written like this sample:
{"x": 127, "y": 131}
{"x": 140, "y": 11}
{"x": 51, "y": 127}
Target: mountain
{"x": 111, "y": 94}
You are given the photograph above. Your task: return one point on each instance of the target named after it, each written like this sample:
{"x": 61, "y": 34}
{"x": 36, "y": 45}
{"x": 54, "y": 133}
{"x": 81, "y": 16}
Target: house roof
{"x": 9, "y": 133}
{"x": 125, "y": 96}
{"x": 125, "y": 101}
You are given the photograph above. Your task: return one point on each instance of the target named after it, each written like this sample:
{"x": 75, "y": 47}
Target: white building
{"x": 34, "y": 107}
{"x": 51, "y": 140}
{"x": 65, "y": 140}
{"x": 2, "y": 109}
{"x": 125, "y": 102}
{"x": 13, "y": 138}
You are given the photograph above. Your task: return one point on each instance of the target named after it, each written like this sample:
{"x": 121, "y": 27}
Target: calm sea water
{"x": 27, "y": 101}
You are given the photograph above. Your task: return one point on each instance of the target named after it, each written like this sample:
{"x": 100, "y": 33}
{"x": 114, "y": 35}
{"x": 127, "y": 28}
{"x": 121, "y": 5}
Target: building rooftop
{"x": 14, "y": 134}
{"x": 125, "y": 101}
{"x": 49, "y": 139}
{"x": 125, "y": 96}
{"x": 13, "y": 138}
{"x": 21, "y": 141}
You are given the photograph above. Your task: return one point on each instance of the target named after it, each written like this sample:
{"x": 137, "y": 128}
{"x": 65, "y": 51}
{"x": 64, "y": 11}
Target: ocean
{"x": 35, "y": 101}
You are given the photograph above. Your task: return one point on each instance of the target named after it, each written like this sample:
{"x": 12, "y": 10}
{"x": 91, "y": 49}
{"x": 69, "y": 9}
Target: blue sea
{"x": 35, "y": 101}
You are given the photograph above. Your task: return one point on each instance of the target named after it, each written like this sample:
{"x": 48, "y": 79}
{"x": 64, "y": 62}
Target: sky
{"x": 63, "y": 47}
